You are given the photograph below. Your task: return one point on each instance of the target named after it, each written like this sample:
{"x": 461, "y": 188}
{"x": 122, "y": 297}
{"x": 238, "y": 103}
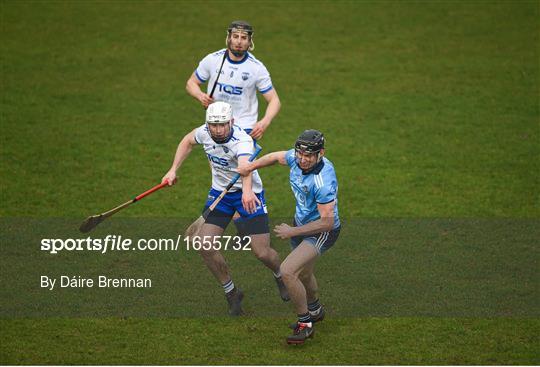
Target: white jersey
{"x": 224, "y": 157}
{"x": 237, "y": 84}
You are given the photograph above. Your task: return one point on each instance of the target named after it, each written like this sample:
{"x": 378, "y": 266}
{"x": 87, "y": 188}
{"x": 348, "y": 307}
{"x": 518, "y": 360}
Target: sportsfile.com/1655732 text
{"x": 121, "y": 243}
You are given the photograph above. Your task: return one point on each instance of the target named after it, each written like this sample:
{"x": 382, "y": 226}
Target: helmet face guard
{"x": 242, "y": 27}
{"x": 225, "y": 138}
{"x": 309, "y": 142}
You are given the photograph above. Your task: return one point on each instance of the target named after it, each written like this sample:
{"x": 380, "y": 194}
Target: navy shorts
{"x": 320, "y": 241}
{"x": 254, "y": 223}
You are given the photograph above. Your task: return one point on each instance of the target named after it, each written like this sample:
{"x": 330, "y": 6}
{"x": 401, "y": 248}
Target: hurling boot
{"x": 314, "y": 318}
{"x": 234, "y": 299}
{"x": 300, "y": 334}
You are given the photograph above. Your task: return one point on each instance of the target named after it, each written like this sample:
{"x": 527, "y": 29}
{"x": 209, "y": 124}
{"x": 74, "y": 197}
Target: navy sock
{"x": 314, "y": 307}
{"x": 228, "y": 287}
{"x": 304, "y": 318}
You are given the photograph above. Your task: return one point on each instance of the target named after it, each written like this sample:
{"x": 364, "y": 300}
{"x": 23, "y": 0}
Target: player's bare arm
{"x": 324, "y": 224}
{"x": 265, "y": 161}
{"x": 272, "y": 109}
{"x": 193, "y": 87}
{"x": 182, "y": 152}
{"x": 249, "y": 199}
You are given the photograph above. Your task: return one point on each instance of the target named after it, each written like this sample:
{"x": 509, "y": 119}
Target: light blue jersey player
{"x": 318, "y": 187}
{"x": 316, "y": 224}
{"x": 228, "y": 147}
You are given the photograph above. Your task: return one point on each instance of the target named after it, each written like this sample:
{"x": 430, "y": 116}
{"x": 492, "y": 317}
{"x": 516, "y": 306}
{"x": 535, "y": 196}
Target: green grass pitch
{"x": 431, "y": 114}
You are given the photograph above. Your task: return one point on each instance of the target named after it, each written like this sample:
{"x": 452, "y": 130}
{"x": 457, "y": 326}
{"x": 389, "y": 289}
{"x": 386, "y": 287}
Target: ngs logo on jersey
{"x": 230, "y": 89}
{"x": 217, "y": 160}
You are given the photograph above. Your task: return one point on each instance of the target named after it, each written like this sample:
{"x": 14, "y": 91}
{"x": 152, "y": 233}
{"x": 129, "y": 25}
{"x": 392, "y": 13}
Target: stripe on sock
{"x": 314, "y": 306}
{"x": 305, "y": 318}
{"x": 229, "y": 286}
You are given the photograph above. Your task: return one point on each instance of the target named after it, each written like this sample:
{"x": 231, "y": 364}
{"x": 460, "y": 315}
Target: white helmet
{"x": 218, "y": 113}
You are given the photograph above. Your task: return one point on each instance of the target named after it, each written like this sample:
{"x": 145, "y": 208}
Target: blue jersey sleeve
{"x": 325, "y": 188}
{"x": 290, "y": 157}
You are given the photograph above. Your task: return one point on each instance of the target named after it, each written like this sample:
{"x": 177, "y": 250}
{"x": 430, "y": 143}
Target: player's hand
{"x": 244, "y": 170}
{"x": 284, "y": 231}
{"x": 250, "y": 201}
{"x": 258, "y": 129}
{"x": 205, "y": 99}
{"x": 170, "y": 178}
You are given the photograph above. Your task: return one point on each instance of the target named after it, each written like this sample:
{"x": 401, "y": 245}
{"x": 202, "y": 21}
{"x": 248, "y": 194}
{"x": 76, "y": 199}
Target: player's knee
{"x": 264, "y": 253}
{"x": 288, "y": 273}
{"x": 261, "y": 253}
{"x": 304, "y": 277}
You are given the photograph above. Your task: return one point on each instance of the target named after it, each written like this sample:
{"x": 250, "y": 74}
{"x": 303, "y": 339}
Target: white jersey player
{"x": 242, "y": 75}
{"x": 228, "y": 147}
{"x": 223, "y": 157}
